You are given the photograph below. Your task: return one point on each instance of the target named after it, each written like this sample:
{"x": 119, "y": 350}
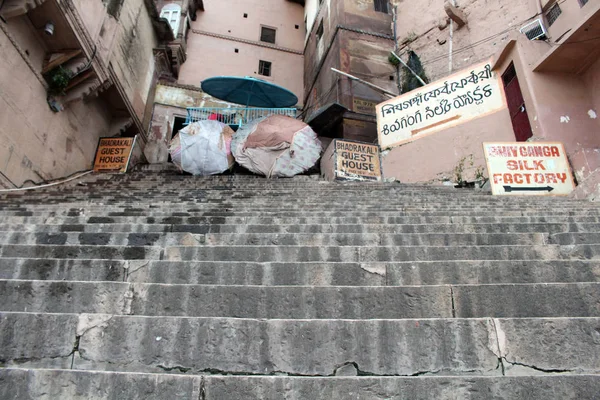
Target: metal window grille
{"x": 235, "y": 116}
{"x": 553, "y": 14}
{"x": 381, "y": 6}
{"x": 582, "y": 2}
{"x": 267, "y": 35}
{"x": 535, "y": 30}
{"x": 264, "y": 68}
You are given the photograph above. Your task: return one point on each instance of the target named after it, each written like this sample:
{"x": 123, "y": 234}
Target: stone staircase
{"x": 154, "y": 285}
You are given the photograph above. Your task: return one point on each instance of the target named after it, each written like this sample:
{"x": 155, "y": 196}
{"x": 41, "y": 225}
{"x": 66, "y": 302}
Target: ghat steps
{"x": 154, "y": 285}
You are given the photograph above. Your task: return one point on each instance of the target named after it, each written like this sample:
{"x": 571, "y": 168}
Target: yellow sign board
{"x": 357, "y": 161}
{"x": 533, "y": 169}
{"x": 113, "y": 154}
{"x": 363, "y": 106}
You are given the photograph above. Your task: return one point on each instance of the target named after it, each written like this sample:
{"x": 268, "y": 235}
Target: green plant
{"x": 393, "y": 60}
{"x": 458, "y": 172}
{"x": 479, "y": 171}
{"x": 409, "y": 81}
{"x": 58, "y": 80}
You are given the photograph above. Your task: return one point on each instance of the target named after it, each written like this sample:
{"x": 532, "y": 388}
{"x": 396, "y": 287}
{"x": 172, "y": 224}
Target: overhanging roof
{"x": 578, "y": 50}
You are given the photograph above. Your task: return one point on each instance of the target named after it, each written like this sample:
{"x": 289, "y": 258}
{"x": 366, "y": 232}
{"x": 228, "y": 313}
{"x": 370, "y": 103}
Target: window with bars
{"x": 553, "y": 13}
{"x": 172, "y": 13}
{"x": 267, "y": 34}
{"x": 264, "y": 68}
{"x": 381, "y": 6}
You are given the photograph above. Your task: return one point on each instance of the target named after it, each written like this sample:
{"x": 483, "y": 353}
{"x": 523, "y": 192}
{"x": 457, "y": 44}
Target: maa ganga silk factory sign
{"x": 454, "y": 100}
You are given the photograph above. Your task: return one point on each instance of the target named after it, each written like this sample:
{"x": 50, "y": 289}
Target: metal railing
{"x": 235, "y": 116}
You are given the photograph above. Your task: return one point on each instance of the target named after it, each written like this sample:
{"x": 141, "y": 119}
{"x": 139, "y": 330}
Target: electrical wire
{"x": 45, "y": 184}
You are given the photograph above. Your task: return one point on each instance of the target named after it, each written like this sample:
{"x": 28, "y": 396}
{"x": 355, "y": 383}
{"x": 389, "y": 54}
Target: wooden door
{"x": 516, "y": 105}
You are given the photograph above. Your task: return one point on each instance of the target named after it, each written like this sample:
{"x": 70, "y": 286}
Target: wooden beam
{"x": 80, "y": 78}
{"x": 455, "y": 14}
{"x": 55, "y": 59}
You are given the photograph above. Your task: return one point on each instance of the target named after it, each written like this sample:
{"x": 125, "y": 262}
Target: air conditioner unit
{"x": 535, "y": 30}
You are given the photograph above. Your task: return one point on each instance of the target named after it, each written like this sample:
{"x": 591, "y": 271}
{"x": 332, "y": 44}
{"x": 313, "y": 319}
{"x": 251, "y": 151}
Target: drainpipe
{"x": 538, "y": 4}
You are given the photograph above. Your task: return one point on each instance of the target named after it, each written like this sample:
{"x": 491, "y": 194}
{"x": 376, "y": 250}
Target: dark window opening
{"x": 267, "y": 35}
{"x": 553, "y": 13}
{"x": 264, "y": 68}
{"x": 113, "y": 7}
{"x": 381, "y": 6}
{"x": 582, "y": 3}
{"x": 392, "y": 77}
{"x": 297, "y": 26}
{"x": 245, "y": 15}
{"x": 237, "y": 50}
{"x": 320, "y": 31}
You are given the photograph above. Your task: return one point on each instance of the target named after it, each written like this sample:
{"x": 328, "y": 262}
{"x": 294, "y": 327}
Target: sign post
{"x": 528, "y": 169}
{"x": 113, "y": 154}
{"x": 357, "y": 161}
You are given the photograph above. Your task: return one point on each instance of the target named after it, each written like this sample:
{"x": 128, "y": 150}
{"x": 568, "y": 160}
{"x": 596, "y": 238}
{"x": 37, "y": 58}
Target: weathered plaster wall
{"x": 423, "y": 27}
{"x": 227, "y": 18}
{"x": 592, "y": 82}
{"x": 37, "y": 143}
{"x": 209, "y": 56}
{"x": 132, "y": 57}
{"x": 434, "y": 157}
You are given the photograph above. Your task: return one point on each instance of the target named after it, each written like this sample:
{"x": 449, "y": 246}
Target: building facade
{"x": 73, "y": 71}
{"x": 262, "y": 39}
{"x": 546, "y": 54}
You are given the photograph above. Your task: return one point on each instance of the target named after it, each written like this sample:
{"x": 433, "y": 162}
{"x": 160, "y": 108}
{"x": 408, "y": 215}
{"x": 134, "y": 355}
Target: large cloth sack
{"x": 203, "y": 148}
{"x": 276, "y": 146}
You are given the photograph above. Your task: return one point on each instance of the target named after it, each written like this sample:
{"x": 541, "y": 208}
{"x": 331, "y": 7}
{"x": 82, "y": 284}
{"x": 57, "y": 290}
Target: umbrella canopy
{"x": 248, "y": 91}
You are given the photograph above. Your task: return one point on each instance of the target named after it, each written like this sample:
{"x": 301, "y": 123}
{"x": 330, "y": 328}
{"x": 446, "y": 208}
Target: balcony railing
{"x": 235, "y": 116}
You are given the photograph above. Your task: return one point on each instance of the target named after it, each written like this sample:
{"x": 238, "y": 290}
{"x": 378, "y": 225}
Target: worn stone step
{"x": 383, "y": 239}
{"x": 303, "y": 302}
{"x": 314, "y": 220}
{"x": 293, "y": 239}
{"x": 274, "y": 212}
{"x": 460, "y": 347}
{"x": 303, "y": 273}
{"x": 81, "y": 251}
{"x": 379, "y": 253}
{"x": 33, "y": 384}
{"x": 290, "y": 302}
{"x": 489, "y": 228}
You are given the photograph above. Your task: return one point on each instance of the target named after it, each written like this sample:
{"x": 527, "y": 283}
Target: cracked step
{"x": 303, "y": 302}
{"x": 29, "y": 384}
{"x": 461, "y": 347}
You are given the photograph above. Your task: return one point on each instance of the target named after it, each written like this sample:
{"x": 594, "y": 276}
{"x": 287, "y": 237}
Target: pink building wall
{"x": 209, "y": 55}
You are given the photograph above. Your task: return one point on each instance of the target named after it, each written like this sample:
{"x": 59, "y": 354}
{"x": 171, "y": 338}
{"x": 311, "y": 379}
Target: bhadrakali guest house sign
{"x": 113, "y": 154}
{"x": 528, "y": 168}
{"x": 357, "y": 161}
{"x": 454, "y": 100}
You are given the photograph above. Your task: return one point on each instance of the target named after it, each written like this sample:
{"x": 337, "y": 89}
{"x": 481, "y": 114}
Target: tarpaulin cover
{"x": 203, "y": 148}
{"x": 276, "y": 146}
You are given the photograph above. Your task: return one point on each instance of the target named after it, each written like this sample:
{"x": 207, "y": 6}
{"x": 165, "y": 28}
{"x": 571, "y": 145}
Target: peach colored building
{"x": 71, "y": 72}
{"x": 263, "y": 39}
{"x": 550, "y": 84}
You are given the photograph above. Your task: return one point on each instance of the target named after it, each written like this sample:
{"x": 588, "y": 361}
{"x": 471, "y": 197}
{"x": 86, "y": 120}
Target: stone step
{"x": 473, "y": 228}
{"x": 303, "y": 302}
{"x": 26, "y": 384}
{"x": 370, "y": 254}
{"x": 274, "y": 213}
{"x": 283, "y": 253}
{"x": 292, "y": 239}
{"x": 313, "y": 220}
{"x": 459, "y": 347}
{"x": 303, "y": 274}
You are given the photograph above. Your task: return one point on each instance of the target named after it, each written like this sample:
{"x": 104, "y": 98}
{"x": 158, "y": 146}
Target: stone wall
{"x": 38, "y": 144}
